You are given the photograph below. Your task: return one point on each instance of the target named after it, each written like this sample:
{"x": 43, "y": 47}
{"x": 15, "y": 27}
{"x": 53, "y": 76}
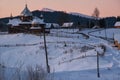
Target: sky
{"x": 106, "y": 7}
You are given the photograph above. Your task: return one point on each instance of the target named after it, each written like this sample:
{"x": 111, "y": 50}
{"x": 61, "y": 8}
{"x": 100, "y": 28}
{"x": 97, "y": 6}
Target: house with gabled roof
{"x": 27, "y": 23}
{"x": 117, "y": 24}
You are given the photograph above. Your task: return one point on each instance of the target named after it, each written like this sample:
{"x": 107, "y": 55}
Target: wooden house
{"x": 27, "y": 23}
{"x": 67, "y": 25}
{"x": 117, "y": 24}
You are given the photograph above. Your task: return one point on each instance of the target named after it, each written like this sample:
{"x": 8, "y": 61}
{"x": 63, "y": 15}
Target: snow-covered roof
{"x": 83, "y": 15}
{"x": 41, "y": 16}
{"x": 26, "y": 12}
{"x": 14, "y": 22}
{"x": 47, "y": 10}
{"x": 117, "y": 23}
{"x": 55, "y": 25}
{"x": 117, "y": 37}
{"x": 35, "y": 28}
{"x": 69, "y": 24}
{"x": 37, "y": 20}
{"x": 68, "y": 61}
{"x": 48, "y": 25}
{"x": 25, "y": 22}
{"x": 96, "y": 26}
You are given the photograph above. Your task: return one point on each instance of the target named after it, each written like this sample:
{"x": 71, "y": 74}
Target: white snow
{"x": 73, "y": 13}
{"x": 47, "y": 10}
{"x": 55, "y": 25}
{"x": 69, "y": 24}
{"x": 109, "y": 33}
{"x": 26, "y": 12}
{"x": 71, "y": 56}
{"x": 117, "y": 37}
{"x": 35, "y": 28}
{"x": 117, "y": 23}
{"x": 81, "y": 15}
{"x": 37, "y": 20}
{"x": 25, "y": 22}
{"x": 14, "y": 22}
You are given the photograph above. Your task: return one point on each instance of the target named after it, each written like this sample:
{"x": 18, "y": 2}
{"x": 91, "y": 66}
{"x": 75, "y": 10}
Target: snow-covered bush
{"x": 65, "y": 52}
{"x": 101, "y": 49}
{"x": 65, "y": 45}
{"x": 36, "y": 73}
{"x": 86, "y": 48}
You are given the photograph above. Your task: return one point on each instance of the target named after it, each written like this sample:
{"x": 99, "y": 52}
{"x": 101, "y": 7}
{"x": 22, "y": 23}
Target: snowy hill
{"x": 73, "y": 13}
{"x": 72, "y": 55}
{"x": 81, "y": 15}
{"x": 47, "y": 10}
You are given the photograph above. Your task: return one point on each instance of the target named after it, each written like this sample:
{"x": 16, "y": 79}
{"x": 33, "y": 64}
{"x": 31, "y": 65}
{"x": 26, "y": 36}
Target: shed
{"x": 117, "y": 24}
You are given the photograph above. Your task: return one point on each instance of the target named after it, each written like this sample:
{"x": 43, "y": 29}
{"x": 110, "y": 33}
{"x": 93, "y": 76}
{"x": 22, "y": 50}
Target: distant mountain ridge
{"x": 81, "y": 15}
{"x": 52, "y": 16}
{"x": 73, "y": 13}
{"x": 60, "y": 17}
{"x": 47, "y": 10}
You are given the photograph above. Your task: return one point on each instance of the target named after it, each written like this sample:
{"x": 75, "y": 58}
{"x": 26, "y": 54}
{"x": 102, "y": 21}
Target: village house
{"x": 117, "y": 24}
{"x": 27, "y": 23}
{"x": 53, "y": 25}
{"x": 67, "y": 25}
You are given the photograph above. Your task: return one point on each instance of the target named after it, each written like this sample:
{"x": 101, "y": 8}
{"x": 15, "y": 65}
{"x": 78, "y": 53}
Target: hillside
{"x": 60, "y": 17}
{"x": 72, "y": 55}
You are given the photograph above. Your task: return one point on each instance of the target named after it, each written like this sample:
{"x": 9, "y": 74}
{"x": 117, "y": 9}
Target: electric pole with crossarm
{"x": 46, "y": 54}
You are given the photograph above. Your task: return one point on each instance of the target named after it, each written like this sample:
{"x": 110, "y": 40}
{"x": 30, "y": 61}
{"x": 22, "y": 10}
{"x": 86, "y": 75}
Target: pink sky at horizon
{"x": 106, "y": 7}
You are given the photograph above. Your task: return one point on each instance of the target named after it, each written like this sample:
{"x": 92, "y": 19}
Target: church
{"x": 27, "y": 23}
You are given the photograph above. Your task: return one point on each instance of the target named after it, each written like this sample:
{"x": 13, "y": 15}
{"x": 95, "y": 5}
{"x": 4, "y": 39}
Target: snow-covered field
{"x": 71, "y": 55}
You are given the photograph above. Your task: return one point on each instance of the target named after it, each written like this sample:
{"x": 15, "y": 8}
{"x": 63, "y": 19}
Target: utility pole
{"x": 98, "y": 71}
{"x": 106, "y": 30}
{"x": 105, "y": 33}
{"x": 46, "y": 54}
{"x": 89, "y": 23}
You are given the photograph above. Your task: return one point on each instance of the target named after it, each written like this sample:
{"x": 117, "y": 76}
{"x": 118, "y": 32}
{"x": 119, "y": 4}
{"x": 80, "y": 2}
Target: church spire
{"x": 26, "y": 5}
{"x": 11, "y": 16}
{"x": 26, "y": 11}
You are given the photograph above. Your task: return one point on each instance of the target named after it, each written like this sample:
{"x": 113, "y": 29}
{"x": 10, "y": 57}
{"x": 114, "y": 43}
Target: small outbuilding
{"x": 67, "y": 25}
{"x": 117, "y": 24}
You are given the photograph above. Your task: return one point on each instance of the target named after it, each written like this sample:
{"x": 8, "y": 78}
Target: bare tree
{"x": 96, "y": 13}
